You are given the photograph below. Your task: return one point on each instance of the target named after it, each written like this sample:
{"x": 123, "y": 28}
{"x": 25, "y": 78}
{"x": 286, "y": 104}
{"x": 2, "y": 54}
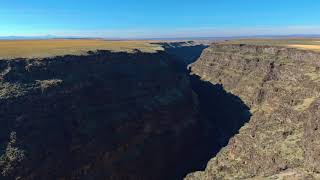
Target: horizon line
{"x": 47, "y": 37}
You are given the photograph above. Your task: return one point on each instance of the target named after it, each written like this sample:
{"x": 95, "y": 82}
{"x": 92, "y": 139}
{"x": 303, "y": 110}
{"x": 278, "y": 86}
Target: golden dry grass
{"x": 299, "y": 43}
{"x": 305, "y": 104}
{"x": 308, "y": 47}
{"x": 10, "y": 49}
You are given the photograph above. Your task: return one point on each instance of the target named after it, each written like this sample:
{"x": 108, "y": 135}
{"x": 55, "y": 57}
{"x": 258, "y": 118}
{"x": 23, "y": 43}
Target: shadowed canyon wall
{"x": 111, "y": 116}
{"x": 106, "y": 115}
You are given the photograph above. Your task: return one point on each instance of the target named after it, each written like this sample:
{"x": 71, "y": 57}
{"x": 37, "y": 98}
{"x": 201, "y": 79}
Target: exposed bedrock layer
{"x": 281, "y": 86}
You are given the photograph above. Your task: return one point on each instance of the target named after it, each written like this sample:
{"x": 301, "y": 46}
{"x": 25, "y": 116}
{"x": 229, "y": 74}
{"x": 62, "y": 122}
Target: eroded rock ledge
{"x": 281, "y": 86}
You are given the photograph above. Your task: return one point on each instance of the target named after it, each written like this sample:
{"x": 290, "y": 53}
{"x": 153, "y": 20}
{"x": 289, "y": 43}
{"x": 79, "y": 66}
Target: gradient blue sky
{"x": 161, "y": 18}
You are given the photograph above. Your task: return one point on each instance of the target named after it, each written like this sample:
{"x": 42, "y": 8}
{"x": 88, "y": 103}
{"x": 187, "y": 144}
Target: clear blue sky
{"x": 158, "y": 18}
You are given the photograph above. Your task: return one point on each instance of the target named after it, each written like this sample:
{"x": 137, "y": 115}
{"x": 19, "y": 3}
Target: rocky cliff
{"x": 281, "y": 86}
{"x": 100, "y": 116}
{"x": 138, "y": 116}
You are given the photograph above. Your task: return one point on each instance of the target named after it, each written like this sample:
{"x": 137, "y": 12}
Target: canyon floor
{"x": 143, "y": 110}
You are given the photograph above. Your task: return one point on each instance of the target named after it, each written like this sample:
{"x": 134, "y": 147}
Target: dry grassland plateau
{"x": 299, "y": 43}
{"x": 10, "y": 49}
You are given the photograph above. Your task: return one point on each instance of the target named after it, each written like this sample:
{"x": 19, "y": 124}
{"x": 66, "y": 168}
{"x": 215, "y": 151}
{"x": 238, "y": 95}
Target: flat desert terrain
{"x": 299, "y": 43}
{"x": 10, "y": 49}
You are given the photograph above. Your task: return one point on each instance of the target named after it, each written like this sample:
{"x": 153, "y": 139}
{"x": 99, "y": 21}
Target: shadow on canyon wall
{"x": 222, "y": 114}
{"x": 186, "y": 54}
{"x": 70, "y": 123}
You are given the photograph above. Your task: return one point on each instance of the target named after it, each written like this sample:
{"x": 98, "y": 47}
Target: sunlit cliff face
{"x": 280, "y": 85}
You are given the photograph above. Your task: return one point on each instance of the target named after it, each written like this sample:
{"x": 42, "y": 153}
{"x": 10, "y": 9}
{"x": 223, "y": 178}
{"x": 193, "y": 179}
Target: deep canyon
{"x": 190, "y": 111}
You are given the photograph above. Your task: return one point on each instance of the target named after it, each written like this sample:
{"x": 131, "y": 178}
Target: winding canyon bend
{"x": 252, "y": 109}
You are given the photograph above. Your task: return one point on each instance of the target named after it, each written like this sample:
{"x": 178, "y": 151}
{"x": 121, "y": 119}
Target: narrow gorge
{"x": 224, "y": 111}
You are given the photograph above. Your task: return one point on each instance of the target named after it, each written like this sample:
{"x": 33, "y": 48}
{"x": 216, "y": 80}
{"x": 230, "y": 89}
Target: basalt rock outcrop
{"x": 281, "y": 86}
{"x": 100, "y": 116}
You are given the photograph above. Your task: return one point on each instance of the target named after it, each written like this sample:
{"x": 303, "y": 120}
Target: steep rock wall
{"x": 101, "y": 116}
{"x": 281, "y": 86}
